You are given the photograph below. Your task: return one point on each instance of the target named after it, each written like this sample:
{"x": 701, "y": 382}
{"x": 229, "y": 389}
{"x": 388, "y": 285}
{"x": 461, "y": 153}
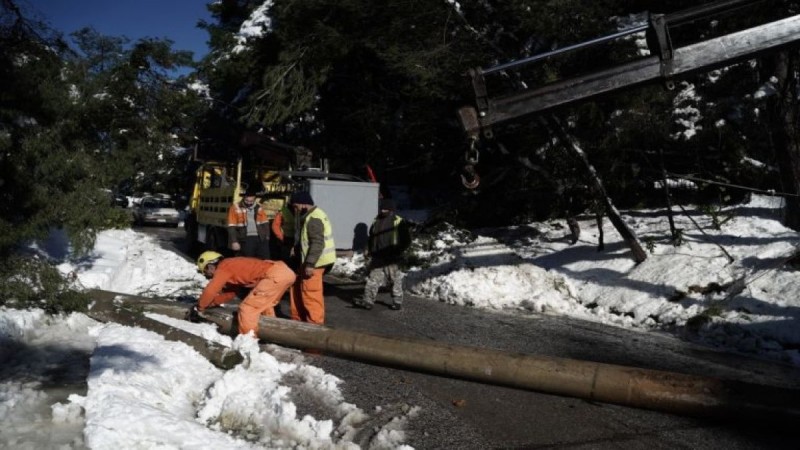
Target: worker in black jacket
{"x": 389, "y": 237}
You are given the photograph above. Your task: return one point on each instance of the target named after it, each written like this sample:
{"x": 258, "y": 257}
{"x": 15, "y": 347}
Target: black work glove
{"x": 192, "y": 315}
{"x": 187, "y": 299}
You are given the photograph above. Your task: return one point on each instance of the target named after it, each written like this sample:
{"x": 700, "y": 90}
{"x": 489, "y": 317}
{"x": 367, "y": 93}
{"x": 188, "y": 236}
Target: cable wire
{"x": 771, "y": 192}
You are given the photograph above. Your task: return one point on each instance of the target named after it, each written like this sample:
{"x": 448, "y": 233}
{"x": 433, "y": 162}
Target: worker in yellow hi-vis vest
{"x": 313, "y": 255}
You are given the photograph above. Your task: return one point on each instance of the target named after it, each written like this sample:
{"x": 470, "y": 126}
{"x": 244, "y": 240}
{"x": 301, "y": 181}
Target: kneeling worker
{"x": 268, "y": 279}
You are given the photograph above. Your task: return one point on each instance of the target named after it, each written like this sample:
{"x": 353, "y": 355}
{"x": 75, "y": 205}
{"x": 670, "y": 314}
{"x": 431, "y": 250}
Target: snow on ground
{"x": 43, "y": 363}
{"x": 142, "y": 391}
{"x": 751, "y": 304}
{"x": 131, "y": 263}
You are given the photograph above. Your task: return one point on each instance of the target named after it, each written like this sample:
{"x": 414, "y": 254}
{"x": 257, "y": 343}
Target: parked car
{"x": 156, "y": 210}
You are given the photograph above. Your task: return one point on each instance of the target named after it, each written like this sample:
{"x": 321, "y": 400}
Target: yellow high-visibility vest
{"x": 329, "y": 251}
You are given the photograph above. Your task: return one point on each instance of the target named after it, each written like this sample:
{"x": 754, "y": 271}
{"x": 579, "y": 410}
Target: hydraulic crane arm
{"x": 668, "y": 63}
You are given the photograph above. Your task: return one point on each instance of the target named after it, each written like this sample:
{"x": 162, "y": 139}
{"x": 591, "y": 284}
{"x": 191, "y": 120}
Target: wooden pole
{"x": 629, "y": 386}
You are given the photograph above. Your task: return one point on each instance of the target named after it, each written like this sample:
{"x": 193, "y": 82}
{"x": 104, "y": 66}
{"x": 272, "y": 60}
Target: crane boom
{"x": 702, "y": 56}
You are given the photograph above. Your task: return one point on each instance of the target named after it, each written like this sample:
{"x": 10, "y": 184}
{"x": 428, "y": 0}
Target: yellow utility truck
{"x": 275, "y": 170}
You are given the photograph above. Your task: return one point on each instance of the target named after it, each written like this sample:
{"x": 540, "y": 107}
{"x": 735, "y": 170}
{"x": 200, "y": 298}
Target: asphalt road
{"x": 459, "y": 414}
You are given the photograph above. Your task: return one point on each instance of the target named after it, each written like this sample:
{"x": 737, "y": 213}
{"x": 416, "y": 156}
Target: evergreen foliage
{"x": 34, "y": 282}
{"x": 75, "y": 125}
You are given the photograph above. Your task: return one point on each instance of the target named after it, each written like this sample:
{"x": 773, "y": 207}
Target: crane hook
{"x": 469, "y": 176}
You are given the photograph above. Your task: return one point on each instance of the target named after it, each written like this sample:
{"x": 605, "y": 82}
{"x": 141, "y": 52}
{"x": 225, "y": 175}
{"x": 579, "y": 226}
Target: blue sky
{"x": 172, "y": 19}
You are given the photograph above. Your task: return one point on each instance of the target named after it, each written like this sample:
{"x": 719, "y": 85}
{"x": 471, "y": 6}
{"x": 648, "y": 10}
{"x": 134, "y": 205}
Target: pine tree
{"x": 73, "y": 126}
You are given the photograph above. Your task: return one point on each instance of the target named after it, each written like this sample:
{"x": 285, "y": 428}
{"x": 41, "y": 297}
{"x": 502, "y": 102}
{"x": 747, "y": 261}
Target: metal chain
{"x": 472, "y": 155}
{"x": 469, "y": 176}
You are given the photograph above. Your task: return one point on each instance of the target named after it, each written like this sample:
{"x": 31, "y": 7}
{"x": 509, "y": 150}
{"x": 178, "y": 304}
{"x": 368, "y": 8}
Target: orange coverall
{"x": 269, "y": 280}
{"x": 277, "y": 226}
{"x": 307, "y": 297}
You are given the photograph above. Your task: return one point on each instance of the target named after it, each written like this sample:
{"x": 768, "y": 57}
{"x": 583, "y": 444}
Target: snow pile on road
{"x": 140, "y": 383}
{"x": 128, "y": 262}
{"x": 43, "y": 361}
{"x": 137, "y": 390}
{"x": 750, "y": 304}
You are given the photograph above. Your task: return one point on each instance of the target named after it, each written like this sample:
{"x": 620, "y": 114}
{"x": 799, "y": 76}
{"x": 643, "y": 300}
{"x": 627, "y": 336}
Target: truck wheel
{"x": 193, "y": 246}
{"x": 222, "y": 242}
{"x": 214, "y": 240}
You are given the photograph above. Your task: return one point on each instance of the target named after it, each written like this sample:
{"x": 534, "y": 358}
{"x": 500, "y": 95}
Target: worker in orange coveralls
{"x": 283, "y": 233}
{"x": 313, "y": 255}
{"x": 268, "y": 279}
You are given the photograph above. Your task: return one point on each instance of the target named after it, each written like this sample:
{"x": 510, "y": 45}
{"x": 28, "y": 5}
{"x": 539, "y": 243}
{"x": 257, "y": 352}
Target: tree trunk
{"x": 623, "y": 229}
{"x": 598, "y": 218}
{"x": 668, "y": 200}
{"x": 785, "y": 135}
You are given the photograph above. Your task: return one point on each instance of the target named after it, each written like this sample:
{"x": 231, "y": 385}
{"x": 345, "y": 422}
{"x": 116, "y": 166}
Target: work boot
{"x": 361, "y": 303}
{"x": 395, "y": 306}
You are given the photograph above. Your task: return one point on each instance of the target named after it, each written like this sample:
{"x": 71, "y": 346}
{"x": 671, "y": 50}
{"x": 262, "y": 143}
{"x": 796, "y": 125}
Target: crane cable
{"x": 771, "y": 192}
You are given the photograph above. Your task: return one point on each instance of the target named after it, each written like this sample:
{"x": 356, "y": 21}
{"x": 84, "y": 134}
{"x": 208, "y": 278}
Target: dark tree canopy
{"x": 76, "y": 124}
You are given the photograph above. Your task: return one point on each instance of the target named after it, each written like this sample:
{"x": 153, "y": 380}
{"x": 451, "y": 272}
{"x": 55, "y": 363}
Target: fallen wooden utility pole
{"x": 642, "y": 388}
